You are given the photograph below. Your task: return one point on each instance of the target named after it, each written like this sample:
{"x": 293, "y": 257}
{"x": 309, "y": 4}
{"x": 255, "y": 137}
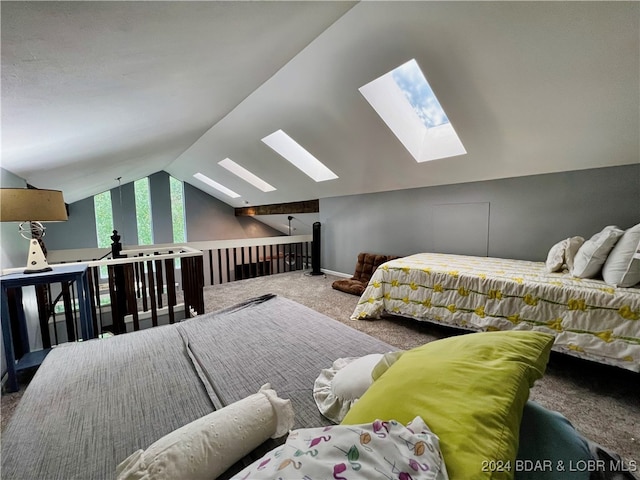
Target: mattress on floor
{"x": 91, "y": 404}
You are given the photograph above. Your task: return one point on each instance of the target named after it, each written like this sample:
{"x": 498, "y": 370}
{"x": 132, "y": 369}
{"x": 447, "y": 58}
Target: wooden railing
{"x": 144, "y": 281}
{"x": 140, "y": 288}
{"x": 159, "y": 284}
{"x": 230, "y": 260}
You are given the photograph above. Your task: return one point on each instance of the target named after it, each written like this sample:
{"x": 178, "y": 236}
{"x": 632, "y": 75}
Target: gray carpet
{"x": 602, "y": 402}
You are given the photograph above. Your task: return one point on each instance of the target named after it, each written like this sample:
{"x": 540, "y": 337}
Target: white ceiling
{"x": 92, "y": 91}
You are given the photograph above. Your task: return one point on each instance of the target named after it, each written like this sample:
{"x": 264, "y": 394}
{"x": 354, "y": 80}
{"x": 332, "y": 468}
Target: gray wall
{"x": 210, "y": 219}
{"x": 207, "y": 218}
{"x": 524, "y": 217}
{"x": 160, "y": 192}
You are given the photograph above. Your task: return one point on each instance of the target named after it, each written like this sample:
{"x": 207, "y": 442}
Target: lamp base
{"x": 36, "y": 262}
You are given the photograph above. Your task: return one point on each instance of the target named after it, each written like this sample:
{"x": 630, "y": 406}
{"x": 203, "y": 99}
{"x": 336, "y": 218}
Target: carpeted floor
{"x": 602, "y": 402}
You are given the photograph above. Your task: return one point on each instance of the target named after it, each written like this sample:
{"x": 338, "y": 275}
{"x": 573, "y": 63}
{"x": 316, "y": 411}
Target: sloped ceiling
{"x": 92, "y": 91}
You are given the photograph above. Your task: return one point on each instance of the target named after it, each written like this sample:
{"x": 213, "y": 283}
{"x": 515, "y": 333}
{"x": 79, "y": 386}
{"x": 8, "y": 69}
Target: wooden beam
{"x": 306, "y": 206}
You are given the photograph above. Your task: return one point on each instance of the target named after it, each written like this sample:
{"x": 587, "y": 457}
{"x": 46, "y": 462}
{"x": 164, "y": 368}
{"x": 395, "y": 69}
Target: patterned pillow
{"x": 372, "y": 450}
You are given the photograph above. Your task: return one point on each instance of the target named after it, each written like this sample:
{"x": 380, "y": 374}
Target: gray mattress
{"x": 91, "y": 404}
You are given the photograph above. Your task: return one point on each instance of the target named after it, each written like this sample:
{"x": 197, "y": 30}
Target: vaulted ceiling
{"x": 93, "y": 91}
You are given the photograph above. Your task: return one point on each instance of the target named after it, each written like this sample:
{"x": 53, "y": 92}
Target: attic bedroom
{"x": 223, "y": 173}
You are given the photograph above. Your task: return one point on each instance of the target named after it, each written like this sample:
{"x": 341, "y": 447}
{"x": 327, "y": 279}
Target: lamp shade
{"x": 31, "y": 205}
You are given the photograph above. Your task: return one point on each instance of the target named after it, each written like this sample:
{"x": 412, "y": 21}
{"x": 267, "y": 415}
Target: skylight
{"x": 212, "y": 183}
{"x": 292, "y": 151}
{"x": 246, "y": 175}
{"x": 405, "y": 101}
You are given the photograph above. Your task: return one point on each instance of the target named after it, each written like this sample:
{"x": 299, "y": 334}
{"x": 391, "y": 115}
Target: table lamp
{"x": 30, "y": 205}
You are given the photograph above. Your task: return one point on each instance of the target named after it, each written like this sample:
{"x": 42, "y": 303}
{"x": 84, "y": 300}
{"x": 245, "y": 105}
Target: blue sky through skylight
{"x": 404, "y": 100}
{"x": 415, "y": 87}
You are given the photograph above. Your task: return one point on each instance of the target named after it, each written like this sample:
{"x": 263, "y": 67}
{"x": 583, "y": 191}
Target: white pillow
{"x": 593, "y": 253}
{"x": 563, "y": 253}
{"x": 621, "y": 268}
{"x": 337, "y": 388}
{"x": 572, "y": 249}
{"x": 382, "y": 449}
{"x": 206, "y": 447}
{"x": 555, "y": 257}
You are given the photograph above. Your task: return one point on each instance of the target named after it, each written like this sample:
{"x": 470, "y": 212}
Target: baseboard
{"x": 337, "y": 274}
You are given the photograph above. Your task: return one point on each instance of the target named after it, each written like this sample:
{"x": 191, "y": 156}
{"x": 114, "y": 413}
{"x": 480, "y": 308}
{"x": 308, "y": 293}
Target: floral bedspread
{"x": 589, "y": 318}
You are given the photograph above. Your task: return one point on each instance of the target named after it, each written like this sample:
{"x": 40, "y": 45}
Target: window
{"x": 246, "y": 175}
{"x": 212, "y": 183}
{"x": 144, "y": 219}
{"x": 405, "y": 101}
{"x": 298, "y": 156}
{"x": 104, "y": 218}
{"x": 177, "y": 210}
{"x": 143, "y": 212}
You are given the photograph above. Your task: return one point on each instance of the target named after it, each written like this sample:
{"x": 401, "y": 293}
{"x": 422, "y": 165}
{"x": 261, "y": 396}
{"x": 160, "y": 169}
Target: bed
{"x": 589, "y": 318}
{"x": 92, "y": 404}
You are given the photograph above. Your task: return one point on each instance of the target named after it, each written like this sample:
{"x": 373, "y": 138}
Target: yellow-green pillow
{"x": 470, "y": 390}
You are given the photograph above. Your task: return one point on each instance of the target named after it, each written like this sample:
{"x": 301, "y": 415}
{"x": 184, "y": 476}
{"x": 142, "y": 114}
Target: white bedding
{"x": 589, "y": 318}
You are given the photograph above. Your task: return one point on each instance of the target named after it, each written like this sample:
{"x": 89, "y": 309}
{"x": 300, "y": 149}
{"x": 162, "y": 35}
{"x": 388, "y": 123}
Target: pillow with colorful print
{"x": 372, "y": 450}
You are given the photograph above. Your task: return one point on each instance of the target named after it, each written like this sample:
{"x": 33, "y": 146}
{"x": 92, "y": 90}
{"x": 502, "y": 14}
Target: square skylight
{"x": 405, "y": 101}
{"x": 246, "y": 175}
{"x": 292, "y": 151}
{"x": 212, "y": 183}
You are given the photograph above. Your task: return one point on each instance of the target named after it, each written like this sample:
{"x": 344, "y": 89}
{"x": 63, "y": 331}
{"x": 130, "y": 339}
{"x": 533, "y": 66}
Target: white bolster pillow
{"x": 206, "y": 447}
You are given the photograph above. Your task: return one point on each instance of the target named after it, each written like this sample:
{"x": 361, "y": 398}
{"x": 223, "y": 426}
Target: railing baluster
{"x": 93, "y": 288}
{"x": 220, "y": 265}
{"x": 235, "y": 264}
{"x": 132, "y": 302}
{"x": 152, "y": 294}
{"x": 136, "y": 278}
{"x": 171, "y": 288}
{"x": 270, "y": 259}
{"x": 211, "y": 267}
{"x": 192, "y": 285}
{"x": 242, "y": 263}
{"x": 143, "y": 279}
{"x": 198, "y": 287}
{"x": 158, "y": 264}
{"x": 226, "y": 252}
{"x": 112, "y": 299}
